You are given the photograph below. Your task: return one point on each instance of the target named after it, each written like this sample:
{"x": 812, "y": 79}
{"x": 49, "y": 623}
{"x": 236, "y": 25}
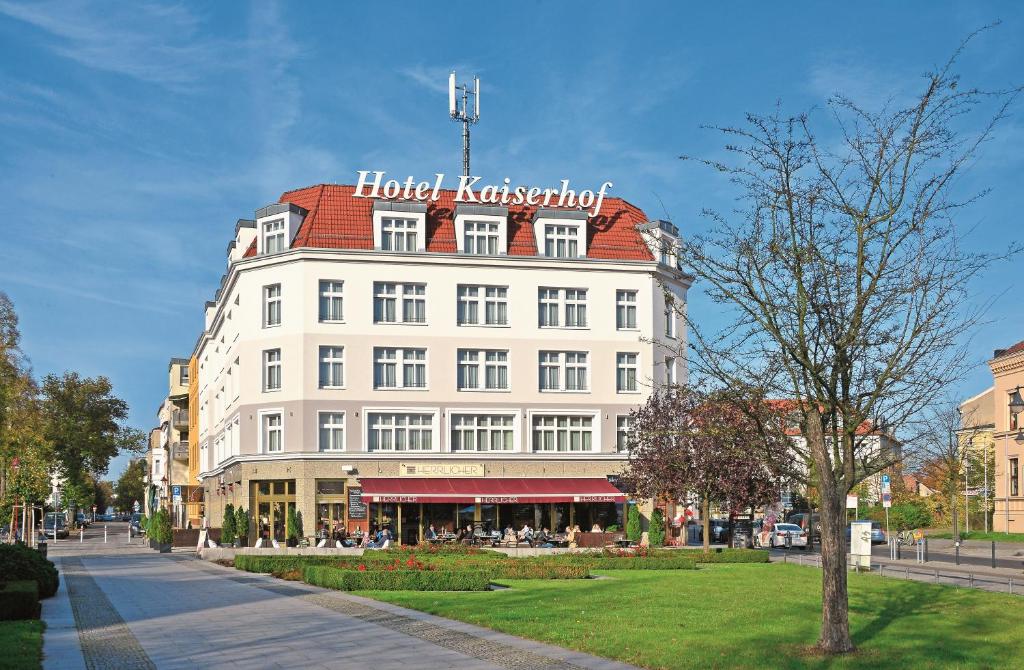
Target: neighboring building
{"x": 381, "y": 362}
{"x": 976, "y": 434}
{"x": 168, "y": 456}
{"x": 916, "y": 487}
{"x": 1007, "y": 367}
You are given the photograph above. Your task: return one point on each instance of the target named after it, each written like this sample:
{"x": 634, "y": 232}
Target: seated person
{"x": 467, "y": 535}
{"x": 431, "y": 534}
{"x": 595, "y": 529}
{"x": 510, "y": 537}
{"x": 526, "y": 534}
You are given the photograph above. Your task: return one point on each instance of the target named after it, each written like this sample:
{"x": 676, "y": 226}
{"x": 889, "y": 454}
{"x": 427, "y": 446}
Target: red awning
{"x": 488, "y": 490}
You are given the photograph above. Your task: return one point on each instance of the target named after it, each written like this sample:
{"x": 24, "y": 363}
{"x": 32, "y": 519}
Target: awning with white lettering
{"x": 488, "y": 491}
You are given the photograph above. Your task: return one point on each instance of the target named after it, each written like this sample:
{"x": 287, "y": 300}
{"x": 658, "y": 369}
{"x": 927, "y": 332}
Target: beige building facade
{"x": 168, "y": 457}
{"x": 375, "y": 363}
{"x": 1007, "y": 367}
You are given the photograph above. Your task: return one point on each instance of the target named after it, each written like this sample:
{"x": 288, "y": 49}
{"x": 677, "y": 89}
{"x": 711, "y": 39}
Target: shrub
{"x": 732, "y": 556}
{"x": 395, "y": 580}
{"x": 293, "y": 524}
{"x": 160, "y": 530}
{"x": 656, "y": 531}
{"x": 227, "y": 527}
{"x": 526, "y": 569}
{"x": 241, "y": 522}
{"x": 19, "y": 600}
{"x": 18, "y": 562}
{"x": 442, "y": 549}
{"x": 633, "y": 528}
{"x": 677, "y": 563}
{"x": 270, "y": 564}
{"x": 612, "y": 529}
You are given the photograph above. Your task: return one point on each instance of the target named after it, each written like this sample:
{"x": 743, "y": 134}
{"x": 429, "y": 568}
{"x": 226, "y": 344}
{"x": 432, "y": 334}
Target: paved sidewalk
{"x": 140, "y": 609}
{"x": 61, "y": 647}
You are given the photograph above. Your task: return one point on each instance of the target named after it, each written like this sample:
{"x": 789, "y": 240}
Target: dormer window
{"x": 481, "y": 238}
{"x": 560, "y": 233}
{"x": 662, "y": 239}
{"x": 481, "y": 230}
{"x": 399, "y": 234}
{"x": 399, "y": 226}
{"x": 273, "y": 237}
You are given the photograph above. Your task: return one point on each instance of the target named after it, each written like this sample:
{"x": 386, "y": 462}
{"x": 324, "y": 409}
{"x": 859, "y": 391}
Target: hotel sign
{"x": 468, "y": 190}
{"x": 440, "y": 469}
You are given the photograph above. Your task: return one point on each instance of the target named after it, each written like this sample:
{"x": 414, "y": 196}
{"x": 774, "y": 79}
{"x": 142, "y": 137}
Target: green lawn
{"x": 21, "y": 645}
{"x": 744, "y": 616}
{"x": 987, "y": 537}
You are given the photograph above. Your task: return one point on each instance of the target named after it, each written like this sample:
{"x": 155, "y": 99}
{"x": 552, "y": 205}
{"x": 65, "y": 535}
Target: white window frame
{"x": 435, "y": 429}
{"x": 275, "y": 300}
{"x": 670, "y": 319}
{"x": 394, "y": 227}
{"x": 399, "y": 362}
{"x": 399, "y": 298}
{"x": 477, "y": 233}
{"x": 482, "y": 364}
{"x": 277, "y": 230}
{"x": 565, "y": 233}
{"x": 261, "y": 415}
{"x": 321, "y": 425}
{"x": 623, "y": 427}
{"x": 330, "y": 290}
{"x": 564, "y": 364}
{"x": 462, "y": 222}
{"x": 481, "y": 301}
{"x": 512, "y": 414}
{"x": 332, "y": 360}
{"x": 621, "y": 365}
{"x": 380, "y": 215}
{"x": 563, "y": 301}
{"x": 595, "y": 430}
{"x": 623, "y": 305}
{"x": 267, "y": 364}
{"x": 671, "y": 374}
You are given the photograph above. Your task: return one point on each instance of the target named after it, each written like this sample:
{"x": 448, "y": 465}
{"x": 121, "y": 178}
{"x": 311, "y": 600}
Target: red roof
{"x": 1012, "y": 350}
{"x": 488, "y": 490}
{"x": 337, "y": 220}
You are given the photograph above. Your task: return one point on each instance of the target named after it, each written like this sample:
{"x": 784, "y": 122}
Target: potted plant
{"x": 161, "y": 534}
{"x": 241, "y": 527}
{"x": 227, "y": 527}
{"x": 293, "y": 528}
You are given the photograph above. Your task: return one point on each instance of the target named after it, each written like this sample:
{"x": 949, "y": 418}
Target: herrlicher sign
{"x": 376, "y": 185}
{"x": 441, "y": 470}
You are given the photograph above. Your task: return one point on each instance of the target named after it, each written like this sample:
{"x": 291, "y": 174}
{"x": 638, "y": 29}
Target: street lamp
{"x": 1016, "y": 406}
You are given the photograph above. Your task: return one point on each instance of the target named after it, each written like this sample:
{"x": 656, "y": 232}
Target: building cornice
{"x": 1007, "y": 364}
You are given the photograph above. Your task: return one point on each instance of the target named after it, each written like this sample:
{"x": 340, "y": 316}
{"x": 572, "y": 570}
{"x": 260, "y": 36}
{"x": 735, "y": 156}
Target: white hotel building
{"x": 401, "y": 363}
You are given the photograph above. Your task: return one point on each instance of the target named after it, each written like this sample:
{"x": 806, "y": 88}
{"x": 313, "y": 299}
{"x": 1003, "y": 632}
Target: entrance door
{"x": 410, "y": 523}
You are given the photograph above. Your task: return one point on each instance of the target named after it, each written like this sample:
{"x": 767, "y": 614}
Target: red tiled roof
{"x": 1017, "y": 348}
{"x": 337, "y": 220}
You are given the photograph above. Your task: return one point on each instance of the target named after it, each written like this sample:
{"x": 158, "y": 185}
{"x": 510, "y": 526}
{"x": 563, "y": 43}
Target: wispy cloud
{"x": 153, "y": 43}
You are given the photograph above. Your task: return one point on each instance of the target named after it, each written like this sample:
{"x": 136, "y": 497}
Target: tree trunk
{"x": 704, "y": 512}
{"x": 835, "y": 622}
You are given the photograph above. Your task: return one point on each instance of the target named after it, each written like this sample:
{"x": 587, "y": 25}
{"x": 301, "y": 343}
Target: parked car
{"x": 135, "y": 524}
{"x": 82, "y": 520}
{"x": 877, "y": 534}
{"x": 55, "y": 521}
{"x": 807, "y": 520}
{"x": 777, "y": 537}
{"x": 719, "y": 531}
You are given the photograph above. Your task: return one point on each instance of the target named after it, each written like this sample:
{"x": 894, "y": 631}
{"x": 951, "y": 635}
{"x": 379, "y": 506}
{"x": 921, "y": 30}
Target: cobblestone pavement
{"x": 141, "y": 609}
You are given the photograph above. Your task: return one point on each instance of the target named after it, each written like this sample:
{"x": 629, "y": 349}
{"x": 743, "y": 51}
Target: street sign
{"x": 886, "y": 500}
{"x": 885, "y": 479}
{"x": 176, "y": 493}
{"x": 885, "y": 484}
{"x": 851, "y": 501}
{"x": 135, "y": 506}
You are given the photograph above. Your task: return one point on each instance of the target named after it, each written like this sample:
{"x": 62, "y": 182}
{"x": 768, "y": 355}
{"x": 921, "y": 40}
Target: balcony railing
{"x": 179, "y": 418}
{"x": 179, "y": 451}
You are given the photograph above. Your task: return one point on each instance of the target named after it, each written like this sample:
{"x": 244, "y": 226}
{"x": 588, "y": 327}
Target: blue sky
{"x": 132, "y": 137}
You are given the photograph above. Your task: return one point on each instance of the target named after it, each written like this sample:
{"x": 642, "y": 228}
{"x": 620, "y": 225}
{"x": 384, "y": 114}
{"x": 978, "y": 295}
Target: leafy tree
{"x": 656, "y": 531}
{"x": 633, "y": 528}
{"x": 241, "y": 523}
{"x": 130, "y": 486}
{"x": 293, "y": 524}
{"x": 848, "y": 279}
{"x": 686, "y": 442}
{"x": 227, "y": 527}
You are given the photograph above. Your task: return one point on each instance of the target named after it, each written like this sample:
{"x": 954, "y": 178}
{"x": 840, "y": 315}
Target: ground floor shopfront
{"x": 408, "y": 496}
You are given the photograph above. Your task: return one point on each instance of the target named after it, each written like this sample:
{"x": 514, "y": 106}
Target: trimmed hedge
{"x": 524, "y": 569}
{"x": 732, "y": 556}
{"x": 19, "y": 600}
{"x": 269, "y": 564}
{"x": 396, "y": 580}
{"x": 678, "y": 563}
{"x": 18, "y": 562}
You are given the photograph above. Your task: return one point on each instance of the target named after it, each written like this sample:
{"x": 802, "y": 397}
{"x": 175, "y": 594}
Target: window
{"x": 183, "y": 375}
{"x": 482, "y": 432}
{"x": 494, "y": 307}
{"x": 398, "y": 235}
{"x": 670, "y": 318}
{"x": 272, "y": 305}
{"x": 563, "y": 433}
{"x": 385, "y": 303}
{"x": 331, "y": 302}
{"x": 560, "y": 241}
{"x": 481, "y": 238}
{"x": 1014, "y": 478}
{"x": 332, "y": 431}
{"x": 413, "y": 368}
{"x": 623, "y": 427}
{"x": 495, "y": 369}
{"x": 233, "y": 383}
{"x": 670, "y": 370}
{"x": 272, "y": 432}
{"x": 273, "y": 237}
{"x": 272, "y": 370}
{"x": 563, "y": 371}
{"x": 332, "y": 367}
{"x": 625, "y": 310}
{"x": 625, "y": 372}
{"x": 667, "y": 255}
{"x": 554, "y": 303}
{"x": 400, "y": 432}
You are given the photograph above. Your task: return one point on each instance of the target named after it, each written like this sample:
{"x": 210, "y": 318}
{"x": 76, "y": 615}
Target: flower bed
{"x": 371, "y": 577}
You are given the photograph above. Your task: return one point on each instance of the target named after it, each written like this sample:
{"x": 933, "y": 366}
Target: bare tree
{"x": 848, "y": 280}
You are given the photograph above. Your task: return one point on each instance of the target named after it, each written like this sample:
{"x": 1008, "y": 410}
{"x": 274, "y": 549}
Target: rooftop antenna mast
{"x": 464, "y": 115}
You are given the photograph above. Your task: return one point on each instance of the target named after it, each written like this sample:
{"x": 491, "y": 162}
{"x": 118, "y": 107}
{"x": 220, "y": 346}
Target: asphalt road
{"x": 943, "y": 557}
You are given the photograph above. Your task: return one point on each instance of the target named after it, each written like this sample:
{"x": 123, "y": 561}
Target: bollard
{"x": 1011, "y": 586}
{"x": 970, "y": 579}
{"x": 104, "y": 533}
{"x": 926, "y": 550}
{"x": 957, "y": 547}
{"x": 908, "y": 574}
{"x": 993, "y": 553}
{"x": 81, "y": 534}
{"x": 936, "y": 576}
{"x": 899, "y": 549}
